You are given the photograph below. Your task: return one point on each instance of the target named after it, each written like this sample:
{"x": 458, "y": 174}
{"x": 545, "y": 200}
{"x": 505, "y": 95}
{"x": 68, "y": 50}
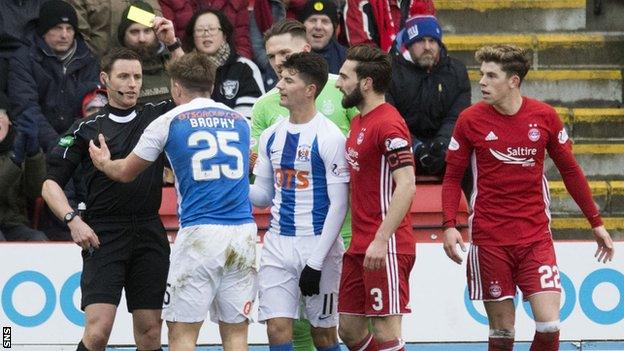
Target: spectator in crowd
{"x": 376, "y": 22}
{"x": 94, "y": 101}
{"x": 17, "y": 24}
{"x": 18, "y": 20}
{"x": 142, "y": 40}
{"x": 48, "y": 80}
{"x": 19, "y": 181}
{"x": 429, "y": 89}
{"x": 98, "y": 21}
{"x": 263, "y": 14}
{"x": 320, "y": 18}
{"x": 181, "y": 12}
{"x": 238, "y": 82}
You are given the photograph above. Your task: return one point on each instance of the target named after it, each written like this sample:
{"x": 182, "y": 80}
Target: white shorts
{"x": 212, "y": 266}
{"x": 281, "y": 261}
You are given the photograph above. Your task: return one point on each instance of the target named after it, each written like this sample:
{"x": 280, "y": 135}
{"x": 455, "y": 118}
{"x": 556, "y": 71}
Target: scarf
{"x": 66, "y": 59}
{"x": 221, "y": 56}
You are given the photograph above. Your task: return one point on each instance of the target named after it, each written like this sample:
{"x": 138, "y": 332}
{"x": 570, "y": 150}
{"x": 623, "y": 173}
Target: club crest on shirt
{"x": 360, "y": 137}
{"x": 229, "y": 89}
{"x": 495, "y": 290}
{"x": 534, "y": 134}
{"x": 327, "y": 108}
{"x": 303, "y": 153}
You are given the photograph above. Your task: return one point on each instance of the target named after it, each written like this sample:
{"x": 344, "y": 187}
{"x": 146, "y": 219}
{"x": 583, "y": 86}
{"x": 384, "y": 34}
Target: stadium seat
{"x": 37, "y": 209}
{"x": 169, "y": 212}
{"x": 426, "y": 213}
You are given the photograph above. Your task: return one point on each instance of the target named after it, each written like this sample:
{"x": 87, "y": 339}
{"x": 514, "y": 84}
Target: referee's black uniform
{"x": 134, "y": 249}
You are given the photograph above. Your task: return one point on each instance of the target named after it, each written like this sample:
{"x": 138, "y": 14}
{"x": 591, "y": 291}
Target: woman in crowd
{"x": 238, "y": 82}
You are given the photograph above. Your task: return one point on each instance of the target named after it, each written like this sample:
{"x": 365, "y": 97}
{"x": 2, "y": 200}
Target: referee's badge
{"x": 67, "y": 141}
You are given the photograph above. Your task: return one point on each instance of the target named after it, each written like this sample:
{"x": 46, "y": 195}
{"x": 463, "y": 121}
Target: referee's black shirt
{"x": 122, "y": 130}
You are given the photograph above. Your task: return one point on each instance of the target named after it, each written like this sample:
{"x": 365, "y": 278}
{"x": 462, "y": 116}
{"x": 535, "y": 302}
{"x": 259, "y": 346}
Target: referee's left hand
{"x": 376, "y": 254}
{"x": 82, "y": 234}
{"x": 99, "y": 155}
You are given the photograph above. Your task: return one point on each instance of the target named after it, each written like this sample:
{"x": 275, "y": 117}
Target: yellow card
{"x": 141, "y": 16}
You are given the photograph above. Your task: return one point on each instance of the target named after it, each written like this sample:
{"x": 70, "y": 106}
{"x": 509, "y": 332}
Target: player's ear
{"x": 514, "y": 81}
{"x": 367, "y": 83}
{"x": 104, "y": 79}
{"x": 311, "y": 90}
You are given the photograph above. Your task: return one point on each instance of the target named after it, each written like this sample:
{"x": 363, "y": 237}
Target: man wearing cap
{"x": 429, "y": 89}
{"x": 142, "y": 40}
{"x": 48, "y": 80}
{"x": 320, "y": 18}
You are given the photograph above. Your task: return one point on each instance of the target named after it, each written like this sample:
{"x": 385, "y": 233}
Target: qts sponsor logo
{"x": 291, "y": 179}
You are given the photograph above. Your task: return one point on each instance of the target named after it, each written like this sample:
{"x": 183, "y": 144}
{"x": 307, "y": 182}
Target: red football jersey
{"x": 511, "y": 199}
{"x": 370, "y": 141}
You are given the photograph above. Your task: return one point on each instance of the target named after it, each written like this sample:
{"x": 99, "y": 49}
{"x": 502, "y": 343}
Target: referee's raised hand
{"x": 100, "y": 156}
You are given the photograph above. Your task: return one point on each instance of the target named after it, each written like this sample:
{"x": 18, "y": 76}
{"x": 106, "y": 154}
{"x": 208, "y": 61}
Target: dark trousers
{"x": 21, "y": 233}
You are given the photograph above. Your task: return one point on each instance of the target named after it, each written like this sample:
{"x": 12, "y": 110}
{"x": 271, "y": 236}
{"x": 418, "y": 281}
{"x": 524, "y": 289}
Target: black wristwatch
{"x": 173, "y": 47}
{"x": 69, "y": 216}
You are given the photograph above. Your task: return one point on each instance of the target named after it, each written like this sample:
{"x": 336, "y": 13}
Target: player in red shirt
{"x": 506, "y": 136}
{"x": 375, "y": 271}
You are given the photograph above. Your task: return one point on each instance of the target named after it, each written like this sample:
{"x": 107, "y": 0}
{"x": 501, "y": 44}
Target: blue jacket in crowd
{"x": 46, "y": 93}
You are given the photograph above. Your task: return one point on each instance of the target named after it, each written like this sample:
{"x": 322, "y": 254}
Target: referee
{"x": 123, "y": 240}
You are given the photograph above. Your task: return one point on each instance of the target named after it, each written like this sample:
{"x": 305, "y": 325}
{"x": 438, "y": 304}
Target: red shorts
{"x": 494, "y": 272}
{"x": 380, "y": 292}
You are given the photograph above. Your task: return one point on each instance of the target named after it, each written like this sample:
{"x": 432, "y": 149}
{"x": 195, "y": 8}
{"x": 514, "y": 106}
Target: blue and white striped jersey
{"x": 301, "y": 159}
{"x": 207, "y": 144}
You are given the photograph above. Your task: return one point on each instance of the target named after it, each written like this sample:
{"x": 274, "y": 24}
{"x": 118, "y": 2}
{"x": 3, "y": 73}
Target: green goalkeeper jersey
{"x": 267, "y": 111}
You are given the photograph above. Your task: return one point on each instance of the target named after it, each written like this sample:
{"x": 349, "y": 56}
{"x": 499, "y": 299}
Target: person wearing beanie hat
{"x": 48, "y": 79}
{"x": 57, "y": 26}
{"x": 429, "y": 89}
{"x": 53, "y": 13}
{"x": 319, "y": 7}
{"x": 320, "y": 18}
{"x": 154, "y": 53}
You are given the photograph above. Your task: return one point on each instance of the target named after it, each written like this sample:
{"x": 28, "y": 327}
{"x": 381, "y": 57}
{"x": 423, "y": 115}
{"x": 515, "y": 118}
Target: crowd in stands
{"x": 50, "y": 75}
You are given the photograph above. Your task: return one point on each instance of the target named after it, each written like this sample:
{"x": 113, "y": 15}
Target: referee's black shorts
{"x": 133, "y": 255}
